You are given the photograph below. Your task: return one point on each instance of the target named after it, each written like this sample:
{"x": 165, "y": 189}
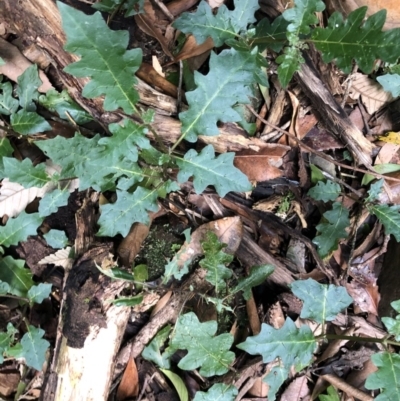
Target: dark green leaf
{"x": 128, "y": 301}
{"x": 289, "y": 62}
{"x": 27, "y": 89}
{"x": 205, "y": 350}
{"x": 322, "y": 302}
{"x": 210, "y": 170}
{"x": 5, "y": 148}
{"x": 357, "y": 39}
{"x": 27, "y": 123}
{"x": 257, "y": 276}
{"x": 19, "y": 228}
{"x": 333, "y": 230}
{"x": 128, "y": 209}
{"x": 271, "y": 36}
{"x": 13, "y": 272}
{"x": 24, "y": 173}
{"x": 328, "y": 191}
{"x": 390, "y": 218}
{"x": 104, "y": 58}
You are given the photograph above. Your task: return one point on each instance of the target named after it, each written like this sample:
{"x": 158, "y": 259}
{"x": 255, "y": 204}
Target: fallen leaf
{"x": 192, "y": 49}
{"x": 297, "y": 390}
{"x": 262, "y": 165}
{"x": 161, "y": 303}
{"x": 129, "y": 386}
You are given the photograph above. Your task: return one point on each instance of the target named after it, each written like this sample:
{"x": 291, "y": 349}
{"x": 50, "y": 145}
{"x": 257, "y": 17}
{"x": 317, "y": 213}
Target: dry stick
{"x": 347, "y": 388}
{"x": 322, "y": 155}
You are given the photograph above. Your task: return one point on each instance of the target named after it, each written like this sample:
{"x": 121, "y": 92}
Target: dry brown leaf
{"x": 321, "y": 139}
{"x": 16, "y": 64}
{"x": 372, "y": 94}
{"x": 60, "y": 258}
{"x": 192, "y": 49}
{"x": 297, "y": 390}
{"x": 259, "y": 388}
{"x": 386, "y": 154}
{"x": 129, "y": 386}
{"x": 161, "y": 303}
{"x": 262, "y": 165}
{"x": 177, "y": 7}
{"x": 151, "y": 23}
{"x": 252, "y": 314}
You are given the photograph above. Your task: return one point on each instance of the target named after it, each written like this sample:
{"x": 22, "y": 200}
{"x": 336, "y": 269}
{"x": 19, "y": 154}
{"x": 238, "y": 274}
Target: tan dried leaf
{"x": 60, "y": 258}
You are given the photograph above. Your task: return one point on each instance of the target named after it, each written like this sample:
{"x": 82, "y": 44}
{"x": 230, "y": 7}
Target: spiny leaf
{"x": 19, "y": 228}
{"x": 24, "y": 173}
{"x": 218, "y": 392}
{"x": 27, "y": 89}
{"x": 325, "y": 191}
{"x": 389, "y": 216}
{"x": 322, "y": 302}
{"x": 26, "y": 123}
{"x": 128, "y": 209}
{"x": 153, "y": 351}
{"x": 290, "y": 344}
{"x": 271, "y": 36}
{"x": 97, "y": 166}
{"x": 332, "y": 231}
{"x": 257, "y": 276}
{"x": 38, "y": 293}
{"x": 223, "y": 25}
{"x": 390, "y": 83}
{"x": 215, "y": 261}
{"x": 386, "y": 378}
{"x": 205, "y": 350}
{"x": 374, "y": 190}
{"x": 8, "y": 105}
{"x": 355, "y": 39}
{"x": 14, "y": 273}
{"x": 104, "y": 58}
{"x": 289, "y": 62}
{"x": 64, "y": 105}
{"x": 56, "y": 239}
{"x": 210, "y": 170}
{"x": 275, "y": 379}
{"x": 227, "y": 83}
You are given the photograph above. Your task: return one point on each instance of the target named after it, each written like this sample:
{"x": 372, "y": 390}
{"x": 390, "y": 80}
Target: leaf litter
{"x": 262, "y": 297}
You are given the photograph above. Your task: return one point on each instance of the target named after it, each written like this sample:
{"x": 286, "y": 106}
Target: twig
{"x": 145, "y": 384}
{"x": 322, "y": 155}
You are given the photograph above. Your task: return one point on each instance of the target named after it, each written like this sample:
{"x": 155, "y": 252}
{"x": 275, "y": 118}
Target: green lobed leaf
{"x": 393, "y": 325}
{"x": 128, "y": 209}
{"x": 6, "y": 340}
{"x": 95, "y": 161}
{"x": 178, "y": 384}
{"x": 383, "y": 168}
{"x": 34, "y": 347}
{"x": 271, "y": 36}
{"x": 5, "y": 148}
{"x": 289, "y": 62}
{"x": 390, "y": 218}
{"x": 291, "y": 344}
{"x": 331, "y": 396}
{"x": 38, "y": 293}
{"x": 153, "y": 353}
{"x": 210, "y": 170}
{"x": 275, "y": 378}
{"x": 8, "y": 105}
{"x": 357, "y": 39}
{"x": 257, "y": 276}
{"x": 64, "y": 105}
{"x": 215, "y": 261}
{"x": 205, "y": 350}
{"x": 52, "y": 201}
{"x": 104, "y": 58}
{"x": 56, "y": 239}
{"x": 386, "y": 378}
{"x": 174, "y": 269}
{"x": 13, "y": 272}
{"x": 333, "y": 230}
{"x": 24, "y": 173}
{"x": 19, "y": 228}
{"x": 375, "y": 190}
{"x": 218, "y": 392}
{"x": 321, "y": 302}
{"x": 28, "y": 123}
{"x": 390, "y": 83}
{"x": 227, "y": 83}
{"x": 325, "y": 191}
{"x": 27, "y": 89}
